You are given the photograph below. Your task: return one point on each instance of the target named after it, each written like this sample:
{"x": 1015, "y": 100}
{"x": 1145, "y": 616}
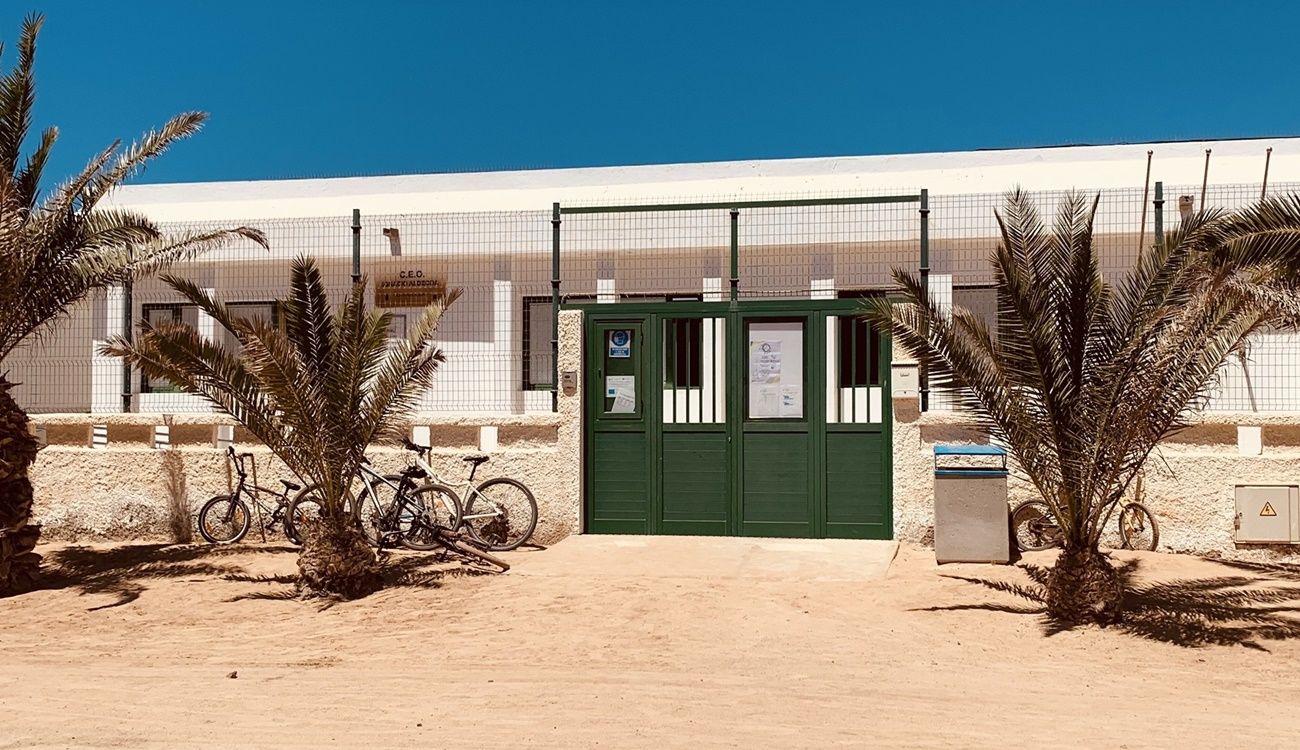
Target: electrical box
{"x": 1268, "y": 514}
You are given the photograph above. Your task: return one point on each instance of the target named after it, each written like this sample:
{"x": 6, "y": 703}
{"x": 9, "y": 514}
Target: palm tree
{"x": 56, "y": 247}
{"x": 316, "y": 391}
{"x": 1084, "y": 378}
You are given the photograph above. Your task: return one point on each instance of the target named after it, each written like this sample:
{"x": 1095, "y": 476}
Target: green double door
{"x": 749, "y": 419}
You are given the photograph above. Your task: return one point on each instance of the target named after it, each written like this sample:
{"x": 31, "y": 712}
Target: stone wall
{"x": 1189, "y": 481}
{"x": 125, "y": 490}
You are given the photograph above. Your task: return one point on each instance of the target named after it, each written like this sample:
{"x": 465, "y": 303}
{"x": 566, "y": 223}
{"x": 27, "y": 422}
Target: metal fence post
{"x": 356, "y": 246}
{"x": 555, "y": 307}
{"x": 735, "y": 254}
{"x": 923, "y": 372}
{"x": 1158, "y": 220}
{"x": 128, "y": 303}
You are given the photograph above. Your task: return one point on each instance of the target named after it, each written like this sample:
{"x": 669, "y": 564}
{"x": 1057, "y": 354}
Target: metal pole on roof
{"x": 555, "y": 307}
{"x": 356, "y": 246}
{"x": 1268, "y": 156}
{"x": 923, "y": 372}
{"x": 1205, "y": 179}
{"x": 1146, "y": 188}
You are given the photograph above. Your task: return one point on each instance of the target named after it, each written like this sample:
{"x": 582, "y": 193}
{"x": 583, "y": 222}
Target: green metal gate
{"x": 763, "y": 418}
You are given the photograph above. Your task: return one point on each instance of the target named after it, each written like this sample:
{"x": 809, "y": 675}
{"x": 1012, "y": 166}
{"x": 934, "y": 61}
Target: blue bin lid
{"x": 969, "y": 450}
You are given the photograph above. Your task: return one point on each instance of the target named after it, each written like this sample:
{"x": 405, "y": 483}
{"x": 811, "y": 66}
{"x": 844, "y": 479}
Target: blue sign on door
{"x": 620, "y": 344}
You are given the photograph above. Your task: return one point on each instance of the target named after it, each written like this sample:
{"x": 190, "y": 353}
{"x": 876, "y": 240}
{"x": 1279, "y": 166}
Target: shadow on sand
{"x": 123, "y": 570}
{"x": 1232, "y": 610}
{"x": 421, "y": 571}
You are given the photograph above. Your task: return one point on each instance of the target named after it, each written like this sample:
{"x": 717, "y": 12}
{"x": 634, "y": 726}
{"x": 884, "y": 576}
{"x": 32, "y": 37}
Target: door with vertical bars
{"x": 753, "y": 419}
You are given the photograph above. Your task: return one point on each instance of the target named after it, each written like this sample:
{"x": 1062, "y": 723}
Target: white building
{"x": 816, "y": 230}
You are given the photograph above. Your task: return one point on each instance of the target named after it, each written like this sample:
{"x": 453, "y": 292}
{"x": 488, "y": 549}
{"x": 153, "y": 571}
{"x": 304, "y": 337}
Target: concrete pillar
{"x": 505, "y": 383}
{"x": 606, "y": 293}
{"x": 941, "y": 291}
{"x": 712, "y": 289}
{"x": 822, "y": 289}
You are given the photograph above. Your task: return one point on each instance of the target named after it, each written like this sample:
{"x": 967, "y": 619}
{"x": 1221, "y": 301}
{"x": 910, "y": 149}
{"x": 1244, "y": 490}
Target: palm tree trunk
{"x": 336, "y": 560}
{"x": 19, "y": 563}
{"x": 1083, "y": 587}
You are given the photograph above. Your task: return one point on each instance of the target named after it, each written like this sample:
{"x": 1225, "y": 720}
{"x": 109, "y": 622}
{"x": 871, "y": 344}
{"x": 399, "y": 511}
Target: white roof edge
{"x": 1104, "y": 166}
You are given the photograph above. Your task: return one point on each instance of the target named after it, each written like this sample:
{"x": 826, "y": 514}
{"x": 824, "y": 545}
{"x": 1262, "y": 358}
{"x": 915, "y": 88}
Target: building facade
{"x": 670, "y": 349}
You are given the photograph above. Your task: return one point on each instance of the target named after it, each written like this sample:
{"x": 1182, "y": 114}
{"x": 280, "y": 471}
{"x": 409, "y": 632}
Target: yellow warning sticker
{"x": 1267, "y": 510}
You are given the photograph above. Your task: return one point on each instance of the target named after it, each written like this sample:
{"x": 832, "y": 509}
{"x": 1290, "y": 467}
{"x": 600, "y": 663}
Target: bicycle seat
{"x": 476, "y": 459}
{"x": 290, "y": 485}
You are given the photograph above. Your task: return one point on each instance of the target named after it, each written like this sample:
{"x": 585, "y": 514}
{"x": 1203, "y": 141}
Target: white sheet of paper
{"x": 791, "y": 401}
{"x": 621, "y": 388}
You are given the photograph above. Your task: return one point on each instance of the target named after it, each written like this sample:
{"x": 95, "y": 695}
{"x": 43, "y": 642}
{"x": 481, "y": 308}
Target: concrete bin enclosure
{"x": 970, "y": 504}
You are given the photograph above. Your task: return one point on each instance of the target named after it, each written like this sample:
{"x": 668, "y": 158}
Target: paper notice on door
{"x": 621, "y": 388}
{"x": 765, "y": 401}
{"x": 765, "y": 362}
{"x": 791, "y": 401}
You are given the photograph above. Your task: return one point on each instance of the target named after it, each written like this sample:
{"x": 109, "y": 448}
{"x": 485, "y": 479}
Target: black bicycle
{"x": 226, "y": 519}
{"x": 402, "y": 510}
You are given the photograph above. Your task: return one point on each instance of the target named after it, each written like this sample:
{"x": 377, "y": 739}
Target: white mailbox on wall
{"x": 1268, "y": 514}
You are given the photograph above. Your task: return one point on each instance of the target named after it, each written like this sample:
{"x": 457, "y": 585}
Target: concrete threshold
{"x": 617, "y": 556}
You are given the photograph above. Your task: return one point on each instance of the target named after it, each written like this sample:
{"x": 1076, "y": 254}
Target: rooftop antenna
{"x": 1146, "y": 188}
{"x": 1268, "y": 155}
{"x": 1205, "y": 179}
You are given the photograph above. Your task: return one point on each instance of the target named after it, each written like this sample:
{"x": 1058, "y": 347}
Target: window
{"x": 189, "y": 315}
{"x": 683, "y": 360}
{"x": 537, "y": 342}
{"x": 982, "y": 302}
{"x": 859, "y": 352}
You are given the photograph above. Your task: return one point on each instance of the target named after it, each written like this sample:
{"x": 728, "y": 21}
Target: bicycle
{"x": 420, "y": 518}
{"x": 508, "y": 516}
{"x": 226, "y": 519}
{"x": 1035, "y": 527}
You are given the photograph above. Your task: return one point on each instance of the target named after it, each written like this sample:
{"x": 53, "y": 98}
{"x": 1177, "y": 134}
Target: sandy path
{"x": 613, "y": 661}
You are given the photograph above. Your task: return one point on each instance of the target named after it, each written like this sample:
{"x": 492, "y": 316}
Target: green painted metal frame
{"x": 651, "y": 316}
{"x": 735, "y": 311}
{"x": 557, "y": 217}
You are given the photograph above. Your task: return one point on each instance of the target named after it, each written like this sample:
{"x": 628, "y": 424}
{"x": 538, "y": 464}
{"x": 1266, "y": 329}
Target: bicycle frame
{"x": 252, "y": 491}
{"x": 465, "y": 488}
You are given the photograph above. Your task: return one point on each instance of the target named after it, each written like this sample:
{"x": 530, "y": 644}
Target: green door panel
{"x": 619, "y": 487}
{"x": 857, "y": 486}
{"x": 776, "y": 485}
{"x": 695, "y": 487}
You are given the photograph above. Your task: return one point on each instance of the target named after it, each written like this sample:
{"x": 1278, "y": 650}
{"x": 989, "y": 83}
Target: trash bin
{"x": 970, "y": 504}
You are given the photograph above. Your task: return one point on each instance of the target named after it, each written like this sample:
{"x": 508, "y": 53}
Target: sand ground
{"x": 132, "y": 647}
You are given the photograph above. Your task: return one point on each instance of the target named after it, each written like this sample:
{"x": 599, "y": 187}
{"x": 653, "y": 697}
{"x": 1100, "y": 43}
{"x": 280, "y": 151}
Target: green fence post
{"x": 555, "y": 307}
{"x": 923, "y": 372}
{"x": 128, "y": 302}
{"x": 1159, "y": 222}
{"x": 735, "y": 254}
{"x": 356, "y": 246}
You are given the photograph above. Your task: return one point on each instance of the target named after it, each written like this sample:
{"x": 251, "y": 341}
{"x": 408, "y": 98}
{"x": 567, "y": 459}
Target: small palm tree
{"x": 316, "y": 391}
{"x": 55, "y": 249}
{"x": 1083, "y": 378}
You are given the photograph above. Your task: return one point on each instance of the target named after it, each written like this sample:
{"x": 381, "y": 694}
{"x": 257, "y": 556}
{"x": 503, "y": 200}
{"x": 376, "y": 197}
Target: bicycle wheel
{"x": 224, "y": 519}
{"x": 1034, "y": 526}
{"x": 430, "y": 510}
{"x": 306, "y": 505}
{"x": 503, "y": 515}
{"x": 1138, "y": 528}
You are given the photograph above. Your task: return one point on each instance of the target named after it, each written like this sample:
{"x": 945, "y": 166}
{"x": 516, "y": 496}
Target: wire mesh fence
{"x": 497, "y": 337}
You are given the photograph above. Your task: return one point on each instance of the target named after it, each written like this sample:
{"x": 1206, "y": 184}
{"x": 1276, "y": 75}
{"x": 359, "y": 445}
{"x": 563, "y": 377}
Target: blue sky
{"x": 301, "y": 89}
